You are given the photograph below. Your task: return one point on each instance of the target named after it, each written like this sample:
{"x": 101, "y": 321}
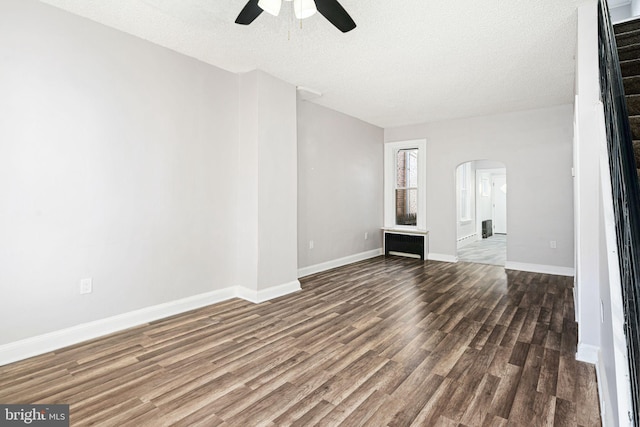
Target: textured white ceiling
{"x": 407, "y": 62}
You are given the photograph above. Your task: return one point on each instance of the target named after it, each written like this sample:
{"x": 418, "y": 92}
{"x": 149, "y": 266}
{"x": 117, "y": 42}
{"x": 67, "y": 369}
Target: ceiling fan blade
{"x": 335, "y": 13}
{"x": 249, "y": 13}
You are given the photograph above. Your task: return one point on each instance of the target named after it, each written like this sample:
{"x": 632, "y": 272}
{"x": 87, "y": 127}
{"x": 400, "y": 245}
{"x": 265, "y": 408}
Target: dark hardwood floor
{"x": 390, "y": 341}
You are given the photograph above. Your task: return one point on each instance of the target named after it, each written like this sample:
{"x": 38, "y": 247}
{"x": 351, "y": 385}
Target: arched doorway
{"x": 481, "y": 212}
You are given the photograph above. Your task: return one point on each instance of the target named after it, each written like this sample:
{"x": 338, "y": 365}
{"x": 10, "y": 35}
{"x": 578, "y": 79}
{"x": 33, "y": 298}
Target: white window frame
{"x": 390, "y": 152}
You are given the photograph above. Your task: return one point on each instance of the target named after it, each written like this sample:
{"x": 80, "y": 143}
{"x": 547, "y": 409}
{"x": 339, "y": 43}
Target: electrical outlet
{"x": 366, "y": 235}
{"x": 552, "y": 244}
{"x": 310, "y": 244}
{"x": 86, "y": 286}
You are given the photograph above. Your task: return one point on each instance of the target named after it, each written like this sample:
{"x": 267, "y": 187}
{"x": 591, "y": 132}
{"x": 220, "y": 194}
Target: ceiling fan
{"x": 330, "y": 9}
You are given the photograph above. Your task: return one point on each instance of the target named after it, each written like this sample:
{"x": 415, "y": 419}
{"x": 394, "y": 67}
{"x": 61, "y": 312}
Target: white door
{"x": 499, "y": 204}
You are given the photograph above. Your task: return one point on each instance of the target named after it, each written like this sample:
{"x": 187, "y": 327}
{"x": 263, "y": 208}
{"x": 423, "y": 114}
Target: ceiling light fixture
{"x": 330, "y": 9}
{"x": 304, "y": 8}
{"x": 270, "y": 6}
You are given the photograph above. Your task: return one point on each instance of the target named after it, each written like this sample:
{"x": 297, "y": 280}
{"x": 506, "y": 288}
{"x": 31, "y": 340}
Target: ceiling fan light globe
{"x": 270, "y": 6}
{"x": 304, "y": 8}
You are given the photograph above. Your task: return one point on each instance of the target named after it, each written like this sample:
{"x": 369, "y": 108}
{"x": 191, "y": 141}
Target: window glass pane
{"x": 464, "y": 204}
{"x": 407, "y": 206}
{"x": 407, "y": 168}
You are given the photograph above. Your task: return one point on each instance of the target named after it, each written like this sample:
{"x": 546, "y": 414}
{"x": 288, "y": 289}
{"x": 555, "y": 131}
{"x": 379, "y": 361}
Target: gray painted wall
{"x": 536, "y": 148}
{"x": 120, "y": 160}
{"x": 267, "y": 196}
{"x": 340, "y": 185}
{"x": 277, "y": 182}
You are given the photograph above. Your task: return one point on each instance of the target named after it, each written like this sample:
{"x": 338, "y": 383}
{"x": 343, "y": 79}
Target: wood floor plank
{"x": 548, "y": 380}
{"x": 483, "y": 361}
{"x": 347, "y": 406}
{"x": 275, "y": 403}
{"x": 464, "y": 363}
{"x": 366, "y": 409}
{"x": 312, "y": 402}
{"x": 506, "y": 391}
{"x": 462, "y": 397}
{"x": 352, "y": 376}
{"x": 522, "y": 410}
{"x": 314, "y": 415}
{"x": 415, "y": 400}
{"x": 565, "y": 413}
{"x": 437, "y": 404}
{"x": 476, "y": 411}
{"x": 382, "y": 342}
{"x": 587, "y": 391}
{"x": 566, "y": 385}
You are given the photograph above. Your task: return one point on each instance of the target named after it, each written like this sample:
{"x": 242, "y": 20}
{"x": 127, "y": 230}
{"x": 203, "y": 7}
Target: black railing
{"x": 626, "y": 193}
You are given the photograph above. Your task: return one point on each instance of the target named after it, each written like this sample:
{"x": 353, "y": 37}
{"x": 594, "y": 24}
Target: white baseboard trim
{"x": 587, "y": 353}
{"x": 317, "y": 268}
{"x": 267, "y": 294}
{"x": 45, "y": 343}
{"x": 441, "y": 257}
{"x": 540, "y": 268}
{"x": 51, "y": 341}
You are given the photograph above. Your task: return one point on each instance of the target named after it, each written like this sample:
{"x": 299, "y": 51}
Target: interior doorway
{"x": 481, "y": 213}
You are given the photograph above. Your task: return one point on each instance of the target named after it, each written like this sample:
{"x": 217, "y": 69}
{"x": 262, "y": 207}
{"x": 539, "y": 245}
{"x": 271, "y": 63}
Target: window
{"x": 405, "y": 185}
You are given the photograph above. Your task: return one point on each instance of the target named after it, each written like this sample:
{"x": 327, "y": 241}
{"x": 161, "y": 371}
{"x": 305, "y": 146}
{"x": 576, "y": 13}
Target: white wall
{"x": 536, "y": 148}
{"x": 267, "y": 195}
{"x": 122, "y": 161}
{"x": 115, "y": 158}
{"x": 277, "y": 183}
{"x": 340, "y": 185}
{"x": 607, "y": 376}
{"x": 587, "y": 160}
{"x": 488, "y": 164}
{"x": 247, "y": 196}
